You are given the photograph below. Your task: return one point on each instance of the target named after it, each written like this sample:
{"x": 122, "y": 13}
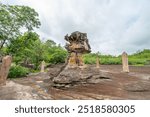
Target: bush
{"x": 58, "y": 57}
{"x": 104, "y": 59}
{"x": 135, "y": 61}
{"x": 89, "y": 60}
{"x": 17, "y": 71}
{"x": 111, "y": 61}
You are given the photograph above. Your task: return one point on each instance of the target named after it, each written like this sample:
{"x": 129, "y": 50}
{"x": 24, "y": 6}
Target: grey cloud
{"x": 113, "y": 26}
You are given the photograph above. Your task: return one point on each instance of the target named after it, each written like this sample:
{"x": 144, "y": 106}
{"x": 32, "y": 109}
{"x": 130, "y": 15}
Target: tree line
{"x": 18, "y": 38}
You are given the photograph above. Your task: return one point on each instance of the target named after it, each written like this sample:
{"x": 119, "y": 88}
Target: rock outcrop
{"x": 4, "y": 69}
{"x": 74, "y": 76}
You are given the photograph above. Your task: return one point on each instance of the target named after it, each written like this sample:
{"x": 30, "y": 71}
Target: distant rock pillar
{"x": 125, "y": 65}
{"x": 97, "y": 62}
{"x": 42, "y": 66}
{"x": 4, "y": 69}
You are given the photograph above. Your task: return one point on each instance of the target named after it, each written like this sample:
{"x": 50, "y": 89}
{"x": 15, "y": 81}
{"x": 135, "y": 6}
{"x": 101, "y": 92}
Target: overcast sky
{"x": 112, "y": 26}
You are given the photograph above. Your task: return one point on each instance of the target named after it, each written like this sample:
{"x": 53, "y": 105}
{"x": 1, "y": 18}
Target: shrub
{"x": 104, "y": 59}
{"x": 17, "y": 71}
{"x": 135, "y": 61}
{"x": 110, "y": 61}
{"x": 147, "y": 62}
{"x": 89, "y": 60}
{"x": 58, "y": 57}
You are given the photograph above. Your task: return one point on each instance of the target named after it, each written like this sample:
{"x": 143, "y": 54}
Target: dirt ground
{"x": 132, "y": 85}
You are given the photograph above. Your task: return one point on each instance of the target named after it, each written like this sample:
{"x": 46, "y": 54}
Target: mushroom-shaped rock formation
{"x": 77, "y": 44}
{"x": 73, "y": 74}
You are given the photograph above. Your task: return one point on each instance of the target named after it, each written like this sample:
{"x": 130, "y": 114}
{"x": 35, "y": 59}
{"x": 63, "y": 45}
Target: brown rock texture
{"x": 125, "y": 65}
{"x": 76, "y": 76}
{"x": 77, "y": 44}
{"x": 4, "y": 69}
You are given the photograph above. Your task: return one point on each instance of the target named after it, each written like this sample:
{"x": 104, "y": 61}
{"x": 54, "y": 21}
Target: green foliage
{"x": 110, "y": 61}
{"x": 13, "y": 18}
{"x": 22, "y": 47}
{"x": 139, "y": 58}
{"x": 28, "y": 48}
{"x": 48, "y": 51}
{"x": 58, "y": 56}
{"x": 133, "y": 61}
{"x": 17, "y": 71}
{"x": 54, "y": 53}
{"x": 104, "y": 59}
{"x": 37, "y": 52}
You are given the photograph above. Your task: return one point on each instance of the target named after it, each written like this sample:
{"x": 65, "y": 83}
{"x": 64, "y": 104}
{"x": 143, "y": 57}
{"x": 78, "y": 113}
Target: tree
{"x": 38, "y": 52}
{"x": 15, "y": 19}
{"x": 50, "y": 43}
{"x": 22, "y": 47}
{"x": 58, "y": 55}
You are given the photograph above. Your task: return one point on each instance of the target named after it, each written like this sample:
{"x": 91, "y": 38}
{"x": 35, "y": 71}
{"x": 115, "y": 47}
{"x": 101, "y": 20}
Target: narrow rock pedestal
{"x": 125, "y": 65}
{"x": 42, "y": 66}
{"x": 4, "y": 69}
{"x": 97, "y": 62}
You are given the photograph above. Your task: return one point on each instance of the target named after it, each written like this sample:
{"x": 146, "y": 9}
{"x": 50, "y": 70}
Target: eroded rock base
{"x": 75, "y": 76}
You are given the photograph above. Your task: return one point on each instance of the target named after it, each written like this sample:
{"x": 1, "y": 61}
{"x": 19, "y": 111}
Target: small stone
{"x": 97, "y": 62}
{"x": 42, "y": 66}
{"x": 125, "y": 65}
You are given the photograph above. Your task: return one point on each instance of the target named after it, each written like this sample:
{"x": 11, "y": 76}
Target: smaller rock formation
{"x": 4, "y": 69}
{"x": 125, "y": 65}
{"x": 97, "y": 61}
{"x": 42, "y": 66}
{"x": 77, "y": 44}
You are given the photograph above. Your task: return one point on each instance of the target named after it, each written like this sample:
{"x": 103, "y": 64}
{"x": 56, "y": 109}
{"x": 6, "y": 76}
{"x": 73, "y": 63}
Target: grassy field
{"x": 138, "y": 58}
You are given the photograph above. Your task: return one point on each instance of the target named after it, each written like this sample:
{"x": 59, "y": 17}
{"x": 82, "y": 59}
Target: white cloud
{"x": 113, "y": 26}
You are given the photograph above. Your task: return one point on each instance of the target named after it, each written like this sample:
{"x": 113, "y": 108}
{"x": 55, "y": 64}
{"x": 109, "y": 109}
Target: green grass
{"x": 139, "y": 58}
